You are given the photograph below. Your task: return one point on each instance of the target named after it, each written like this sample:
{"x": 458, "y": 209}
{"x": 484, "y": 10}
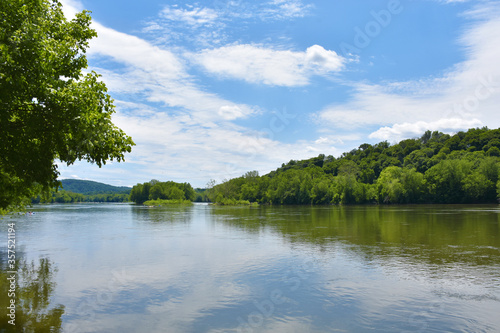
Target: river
{"x": 204, "y": 268}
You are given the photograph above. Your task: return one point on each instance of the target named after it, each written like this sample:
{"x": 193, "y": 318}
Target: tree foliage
{"x": 49, "y": 110}
{"x": 156, "y": 190}
{"x": 63, "y": 196}
{"x": 91, "y": 187}
{"x": 34, "y": 289}
{"x": 436, "y": 168}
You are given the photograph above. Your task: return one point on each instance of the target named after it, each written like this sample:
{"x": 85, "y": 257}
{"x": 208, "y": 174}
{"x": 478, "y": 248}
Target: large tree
{"x": 49, "y": 109}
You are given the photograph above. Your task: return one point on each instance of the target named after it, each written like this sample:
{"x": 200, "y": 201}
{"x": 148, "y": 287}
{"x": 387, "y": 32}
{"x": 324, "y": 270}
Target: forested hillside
{"x": 435, "y": 168}
{"x": 75, "y": 190}
{"x": 91, "y": 187}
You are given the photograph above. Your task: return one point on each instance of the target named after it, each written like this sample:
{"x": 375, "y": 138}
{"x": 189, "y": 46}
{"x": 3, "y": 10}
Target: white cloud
{"x": 194, "y": 16}
{"x": 215, "y": 24}
{"x": 174, "y": 147}
{"x": 286, "y": 9}
{"x": 398, "y": 132}
{"x": 71, "y": 7}
{"x": 258, "y": 64}
{"x": 230, "y": 112}
{"x": 158, "y": 75}
{"x": 467, "y": 95}
{"x": 322, "y": 61}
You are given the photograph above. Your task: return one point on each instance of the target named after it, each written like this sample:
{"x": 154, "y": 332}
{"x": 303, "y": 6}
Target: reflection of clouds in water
{"x": 402, "y": 291}
{"x": 202, "y": 300}
{"x": 350, "y": 272}
{"x": 200, "y": 272}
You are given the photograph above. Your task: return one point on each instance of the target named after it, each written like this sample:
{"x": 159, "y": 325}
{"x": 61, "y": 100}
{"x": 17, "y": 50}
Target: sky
{"x": 213, "y": 89}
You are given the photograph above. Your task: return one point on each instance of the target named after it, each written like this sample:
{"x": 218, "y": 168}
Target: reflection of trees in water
{"x": 432, "y": 234}
{"x": 34, "y": 289}
{"x": 172, "y": 214}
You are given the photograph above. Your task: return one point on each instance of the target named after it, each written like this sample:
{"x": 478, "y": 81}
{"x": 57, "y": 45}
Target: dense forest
{"x": 63, "y": 196}
{"x": 435, "y": 168}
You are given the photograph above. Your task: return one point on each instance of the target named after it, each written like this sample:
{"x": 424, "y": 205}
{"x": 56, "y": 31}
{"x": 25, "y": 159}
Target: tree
{"x": 389, "y": 184}
{"x": 445, "y": 180}
{"x": 49, "y": 110}
{"x": 400, "y": 185}
{"x": 476, "y": 186}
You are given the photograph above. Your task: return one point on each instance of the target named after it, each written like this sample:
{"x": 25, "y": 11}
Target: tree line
{"x": 152, "y": 191}
{"x": 62, "y": 196}
{"x": 156, "y": 190}
{"x": 435, "y": 168}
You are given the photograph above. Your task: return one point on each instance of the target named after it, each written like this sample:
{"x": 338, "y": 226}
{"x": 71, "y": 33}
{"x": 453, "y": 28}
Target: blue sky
{"x": 212, "y": 89}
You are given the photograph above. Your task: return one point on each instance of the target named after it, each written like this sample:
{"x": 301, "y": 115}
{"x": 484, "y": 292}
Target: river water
{"x": 203, "y": 268}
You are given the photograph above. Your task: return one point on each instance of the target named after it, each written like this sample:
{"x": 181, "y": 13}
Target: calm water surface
{"x": 126, "y": 268}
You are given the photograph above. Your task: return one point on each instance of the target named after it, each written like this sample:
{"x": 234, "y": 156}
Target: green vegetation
{"x": 436, "y": 168}
{"x": 163, "y": 202}
{"x": 63, "y": 196}
{"x": 154, "y": 190}
{"x": 91, "y": 187}
{"x": 89, "y": 191}
{"x": 84, "y": 191}
{"x": 234, "y": 202}
{"x": 201, "y": 195}
{"x": 49, "y": 109}
{"x": 34, "y": 289}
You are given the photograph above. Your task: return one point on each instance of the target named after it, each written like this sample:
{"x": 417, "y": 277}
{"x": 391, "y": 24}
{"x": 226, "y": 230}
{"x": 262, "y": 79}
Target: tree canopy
{"x": 156, "y": 190}
{"x": 436, "y": 168}
{"x": 49, "y": 109}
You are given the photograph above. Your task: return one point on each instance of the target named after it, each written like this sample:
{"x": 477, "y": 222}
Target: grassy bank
{"x": 162, "y": 202}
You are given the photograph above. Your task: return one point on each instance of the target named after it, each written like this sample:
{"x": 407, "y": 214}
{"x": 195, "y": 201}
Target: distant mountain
{"x": 91, "y": 187}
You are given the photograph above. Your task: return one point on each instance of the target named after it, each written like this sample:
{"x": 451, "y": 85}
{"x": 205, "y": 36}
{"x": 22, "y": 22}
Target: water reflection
{"x": 433, "y": 234}
{"x": 271, "y": 269}
{"x": 168, "y": 214}
{"x": 33, "y": 291}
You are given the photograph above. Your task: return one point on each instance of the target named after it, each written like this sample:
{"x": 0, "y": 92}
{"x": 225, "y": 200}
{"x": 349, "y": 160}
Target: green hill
{"x": 89, "y": 187}
{"x": 435, "y": 168}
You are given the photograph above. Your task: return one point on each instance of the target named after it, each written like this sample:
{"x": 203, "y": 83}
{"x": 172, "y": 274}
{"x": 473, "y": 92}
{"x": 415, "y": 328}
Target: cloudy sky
{"x": 212, "y": 89}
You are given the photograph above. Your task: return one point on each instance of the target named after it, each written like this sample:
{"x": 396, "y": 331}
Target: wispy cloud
{"x": 258, "y": 64}
{"x": 285, "y": 9}
{"x": 207, "y": 26}
{"x": 452, "y": 1}
{"x": 467, "y": 95}
{"x": 159, "y": 75}
{"x": 191, "y": 16}
{"x": 398, "y": 132}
